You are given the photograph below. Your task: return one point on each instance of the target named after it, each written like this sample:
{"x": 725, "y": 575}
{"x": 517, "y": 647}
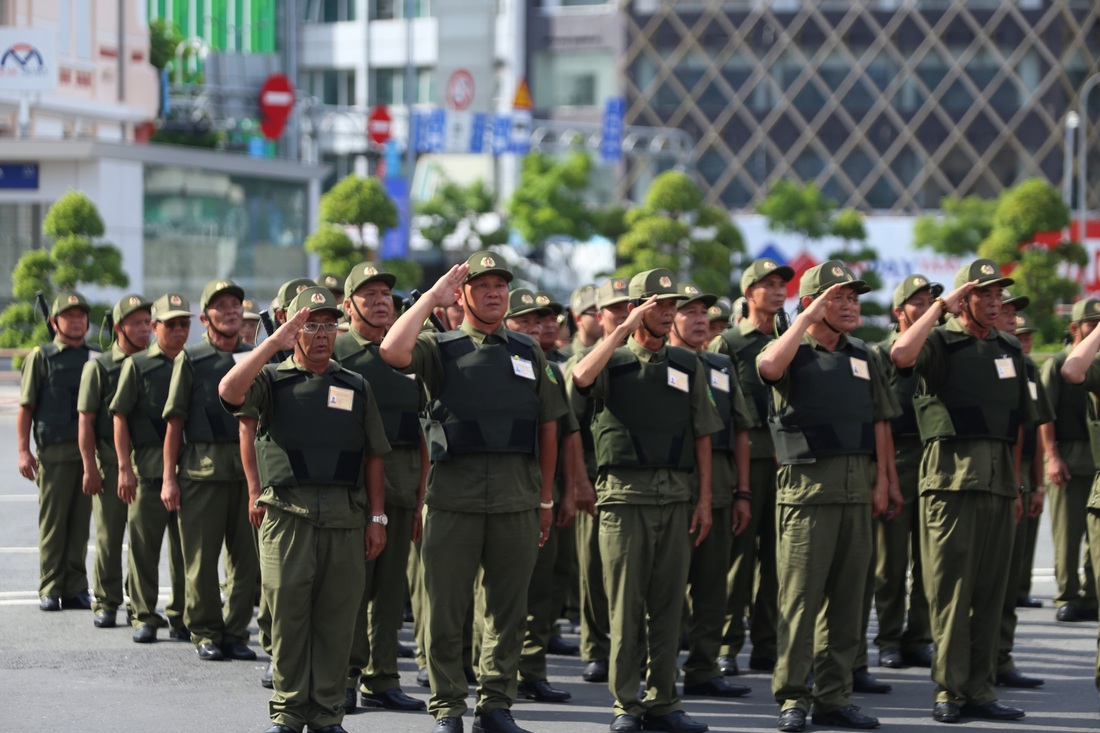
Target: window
{"x": 395, "y": 9}
{"x": 332, "y": 86}
{"x": 388, "y": 86}
{"x": 329, "y": 11}
{"x": 573, "y": 79}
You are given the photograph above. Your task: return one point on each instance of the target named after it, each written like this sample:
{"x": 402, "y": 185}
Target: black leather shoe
{"x": 405, "y": 652}
{"x": 448, "y": 725}
{"x": 890, "y": 658}
{"x": 238, "y": 650}
{"x": 918, "y": 657}
{"x": 49, "y": 603}
{"x": 80, "y": 602}
{"x": 209, "y": 652}
{"x": 422, "y": 678}
{"x": 791, "y": 720}
{"x": 717, "y": 687}
{"x": 991, "y": 711}
{"x": 497, "y": 721}
{"x": 595, "y": 671}
{"x": 1028, "y": 602}
{"x": 561, "y": 647}
{"x": 471, "y": 675}
{"x": 267, "y": 679}
{"x": 626, "y": 724}
{"x": 105, "y": 620}
{"x": 946, "y": 712}
{"x": 675, "y": 722}
{"x": 1088, "y": 614}
{"x": 350, "y": 699}
{"x": 846, "y": 717}
{"x": 541, "y": 691}
{"x": 145, "y": 634}
{"x": 727, "y": 665}
{"x": 862, "y": 681}
{"x": 180, "y": 634}
{"x": 329, "y": 729}
{"x": 1066, "y": 614}
{"x": 1014, "y": 678}
{"x": 280, "y": 728}
{"x": 393, "y": 699}
{"x": 762, "y": 664}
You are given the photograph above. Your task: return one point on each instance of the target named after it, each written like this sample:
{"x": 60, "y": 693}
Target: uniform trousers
{"x": 1067, "y": 523}
{"x": 148, "y": 522}
{"x": 110, "y": 514}
{"x": 63, "y": 514}
{"x": 1007, "y": 639}
{"x": 595, "y": 626}
{"x": 541, "y": 608}
{"x": 707, "y": 598}
{"x": 1093, "y": 523}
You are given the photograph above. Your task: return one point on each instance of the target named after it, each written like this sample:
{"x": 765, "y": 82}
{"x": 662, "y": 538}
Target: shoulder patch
{"x": 550, "y": 373}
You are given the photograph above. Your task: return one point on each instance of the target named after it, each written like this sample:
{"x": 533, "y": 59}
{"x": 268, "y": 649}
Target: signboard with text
{"x": 28, "y": 59}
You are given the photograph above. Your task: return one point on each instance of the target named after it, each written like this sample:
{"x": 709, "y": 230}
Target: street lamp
{"x": 1072, "y": 121}
{"x": 1082, "y": 158}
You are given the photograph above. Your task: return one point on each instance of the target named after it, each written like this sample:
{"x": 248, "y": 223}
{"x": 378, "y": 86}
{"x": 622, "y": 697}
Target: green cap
{"x": 984, "y": 271}
{"x": 522, "y": 301}
{"x": 330, "y": 281}
{"x": 315, "y": 298}
{"x": 720, "y": 311}
{"x": 169, "y": 306}
{"x": 615, "y": 290}
{"x": 659, "y": 282}
{"x": 692, "y": 294}
{"x": 583, "y": 299}
{"x": 820, "y": 278}
{"x": 736, "y": 309}
{"x": 1019, "y": 301}
{"x": 761, "y": 268}
{"x": 545, "y": 300}
{"x": 1085, "y": 310}
{"x": 1024, "y": 324}
{"x": 127, "y": 304}
{"x": 69, "y": 299}
{"x": 487, "y": 263}
{"x": 250, "y": 312}
{"x": 912, "y": 285}
{"x": 291, "y": 288}
{"x": 364, "y": 273}
{"x": 214, "y": 288}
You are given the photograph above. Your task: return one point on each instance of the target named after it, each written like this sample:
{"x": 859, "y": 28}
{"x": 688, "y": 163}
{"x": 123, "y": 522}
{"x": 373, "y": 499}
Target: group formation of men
{"x": 714, "y": 483}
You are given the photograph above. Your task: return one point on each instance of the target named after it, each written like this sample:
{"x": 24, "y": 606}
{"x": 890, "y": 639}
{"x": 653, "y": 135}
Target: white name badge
{"x": 238, "y": 355}
{"x": 1033, "y": 389}
{"x": 340, "y": 398}
{"x": 677, "y": 379}
{"x": 1006, "y": 368}
{"x": 408, "y": 376}
{"x": 720, "y": 381}
{"x": 523, "y": 368}
{"x": 860, "y": 369}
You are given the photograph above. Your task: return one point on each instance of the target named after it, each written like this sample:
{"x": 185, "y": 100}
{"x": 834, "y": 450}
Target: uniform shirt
{"x": 91, "y": 399}
{"x": 843, "y": 479}
{"x": 567, "y": 424}
{"x": 1092, "y": 384}
{"x": 487, "y": 483}
{"x": 629, "y": 485}
{"x": 148, "y": 460}
{"x": 329, "y": 506}
{"x": 968, "y": 464}
{"x": 723, "y": 468}
{"x": 404, "y": 461}
{"x": 1076, "y": 453}
{"x": 31, "y": 381}
{"x": 578, "y": 403}
{"x": 199, "y": 461}
{"x": 760, "y": 437}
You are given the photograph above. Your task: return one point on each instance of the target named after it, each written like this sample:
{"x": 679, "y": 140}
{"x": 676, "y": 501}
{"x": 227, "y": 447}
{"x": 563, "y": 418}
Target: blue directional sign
{"x": 19, "y": 175}
{"x": 477, "y": 134}
{"x": 395, "y": 242}
{"x": 611, "y": 146}
{"x": 502, "y": 133}
{"x": 437, "y": 129}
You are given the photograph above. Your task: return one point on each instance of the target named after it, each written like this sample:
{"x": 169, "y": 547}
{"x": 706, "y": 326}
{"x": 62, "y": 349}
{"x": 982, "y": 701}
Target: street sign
{"x": 19, "y": 175}
{"x": 28, "y": 59}
{"x": 477, "y": 135}
{"x": 276, "y": 102}
{"x": 502, "y": 133}
{"x": 379, "y": 125}
{"x": 460, "y": 90}
{"x": 611, "y": 142}
{"x": 522, "y": 100}
{"x": 437, "y": 124}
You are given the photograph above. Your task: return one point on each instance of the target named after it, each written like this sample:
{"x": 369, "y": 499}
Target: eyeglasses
{"x": 314, "y": 327}
{"x": 177, "y": 323}
{"x": 589, "y": 313}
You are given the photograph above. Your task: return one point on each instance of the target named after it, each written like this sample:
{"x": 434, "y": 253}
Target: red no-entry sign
{"x": 379, "y": 125}
{"x": 276, "y": 101}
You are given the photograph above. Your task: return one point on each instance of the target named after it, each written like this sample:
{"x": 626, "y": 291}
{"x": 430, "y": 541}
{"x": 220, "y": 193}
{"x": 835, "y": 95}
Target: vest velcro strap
{"x": 466, "y": 436}
{"x": 348, "y": 466}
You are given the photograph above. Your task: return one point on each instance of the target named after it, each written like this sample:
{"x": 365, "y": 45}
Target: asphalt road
{"x": 59, "y": 673}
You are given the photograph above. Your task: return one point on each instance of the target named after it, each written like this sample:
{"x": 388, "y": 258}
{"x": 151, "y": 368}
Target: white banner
{"x": 28, "y": 59}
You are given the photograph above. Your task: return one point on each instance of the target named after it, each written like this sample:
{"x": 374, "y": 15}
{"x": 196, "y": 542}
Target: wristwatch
{"x": 380, "y": 519}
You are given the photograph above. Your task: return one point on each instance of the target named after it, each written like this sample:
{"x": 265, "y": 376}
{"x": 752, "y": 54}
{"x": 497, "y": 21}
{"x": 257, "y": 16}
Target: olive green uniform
{"x": 314, "y": 433}
{"x": 645, "y": 489}
{"x": 98, "y": 382}
{"x": 482, "y": 501}
{"x": 140, "y": 397}
{"x": 710, "y": 561}
{"x": 752, "y": 560}
{"x": 1067, "y": 503}
{"x": 50, "y": 384}
{"x": 972, "y": 401}
{"x": 825, "y": 407}
{"x": 373, "y": 662}
{"x": 1092, "y": 385}
{"x": 213, "y": 498}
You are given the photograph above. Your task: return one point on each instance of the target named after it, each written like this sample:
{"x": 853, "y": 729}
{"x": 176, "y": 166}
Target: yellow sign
{"x": 522, "y": 99}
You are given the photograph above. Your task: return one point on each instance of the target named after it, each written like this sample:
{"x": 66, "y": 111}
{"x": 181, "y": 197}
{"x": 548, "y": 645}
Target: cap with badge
{"x": 820, "y": 278}
{"x": 720, "y": 311}
{"x": 984, "y": 271}
{"x": 912, "y": 285}
{"x": 330, "y": 281}
{"x": 127, "y": 304}
{"x": 317, "y": 299}
{"x": 544, "y": 299}
{"x": 250, "y": 312}
{"x": 169, "y": 306}
{"x": 69, "y": 299}
{"x": 487, "y": 263}
{"x": 658, "y": 282}
{"x": 582, "y": 300}
{"x": 365, "y": 273}
{"x": 522, "y": 301}
{"x": 214, "y": 288}
{"x": 614, "y": 291}
{"x": 693, "y": 294}
{"x": 1085, "y": 310}
{"x": 761, "y": 268}
{"x": 1019, "y": 302}
{"x": 291, "y": 288}
{"x": 1024, "y": 324}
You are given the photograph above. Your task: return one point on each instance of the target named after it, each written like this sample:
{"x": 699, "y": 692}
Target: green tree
{"x": 551, "y": 197}
{"x": 338, "y": 254}
{"x": 959, "y": 230}
{"x": 73, "y": 259}
{"x": 847, "y": 225}
{"x": 798, "y": 209}
{"x": 453, "y": 207}
{"x": 359, "y": 202}
{"x": 164, "y": 38}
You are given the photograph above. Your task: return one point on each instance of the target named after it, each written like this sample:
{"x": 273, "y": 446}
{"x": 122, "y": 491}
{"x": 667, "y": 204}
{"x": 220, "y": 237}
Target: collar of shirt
{"x": 155, "y": 350}
{"x": 955, "y": 325}
{"x": 61, "y": 345}
{"x": 359, "y": 338}
{"x": 207, "y": 339}
{"x": 841, "y": 344}
{"x": 117, "y": 354}
{"x": 290, "y": 365}
{"x": 482, "y": 337}
{"x": 645, "y": 354}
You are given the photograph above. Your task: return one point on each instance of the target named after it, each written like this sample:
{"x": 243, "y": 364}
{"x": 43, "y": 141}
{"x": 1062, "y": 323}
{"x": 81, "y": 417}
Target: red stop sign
{"x": 379, "y": 124}
{"x": 276, "y": 101}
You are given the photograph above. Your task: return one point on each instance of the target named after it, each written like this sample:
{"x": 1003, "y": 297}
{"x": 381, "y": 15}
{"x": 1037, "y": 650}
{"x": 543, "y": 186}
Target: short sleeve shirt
{"x": 92, "y": 399}
{"x": 760, "y": 438}
{"x": 1076, "y": 453}
{"x": 148, "y": 460}
{"x": 31, "y": 380}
